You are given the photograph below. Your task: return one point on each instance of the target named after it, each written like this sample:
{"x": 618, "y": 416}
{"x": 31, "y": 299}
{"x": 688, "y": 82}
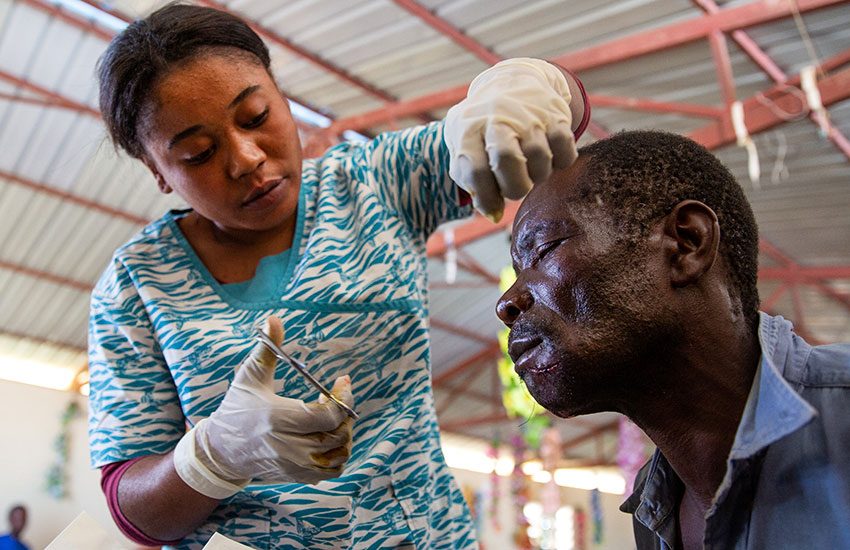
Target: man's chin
{"x": 564, "y": 404}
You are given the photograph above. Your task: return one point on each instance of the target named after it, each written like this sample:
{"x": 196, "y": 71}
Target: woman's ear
{"x": 160, "y": 181}
{"x": 694, "y": 233}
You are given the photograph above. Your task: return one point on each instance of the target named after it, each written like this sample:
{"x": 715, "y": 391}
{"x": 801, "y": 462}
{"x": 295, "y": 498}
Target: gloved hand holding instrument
{"x": 256, "y": 434}
{"x": 512, "y": 129}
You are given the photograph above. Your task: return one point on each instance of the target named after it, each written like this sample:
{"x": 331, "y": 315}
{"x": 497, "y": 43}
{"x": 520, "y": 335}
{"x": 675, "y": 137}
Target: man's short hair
{"x": 641, "y": 175}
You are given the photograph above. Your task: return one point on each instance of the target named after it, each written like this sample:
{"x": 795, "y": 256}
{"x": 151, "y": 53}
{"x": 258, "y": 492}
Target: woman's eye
{"x": 257, "y": 120}
{"x": 201, "y": 157}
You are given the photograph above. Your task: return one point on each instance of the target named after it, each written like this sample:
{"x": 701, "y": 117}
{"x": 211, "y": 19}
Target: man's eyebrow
{"x": 526, "y": 238}
{"x": 193, "y": 129}
{"x": 242, "y": 95}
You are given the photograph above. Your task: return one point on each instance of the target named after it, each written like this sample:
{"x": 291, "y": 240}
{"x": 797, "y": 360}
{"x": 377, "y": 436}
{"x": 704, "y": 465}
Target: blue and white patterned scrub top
{"x": 166, "y": 338}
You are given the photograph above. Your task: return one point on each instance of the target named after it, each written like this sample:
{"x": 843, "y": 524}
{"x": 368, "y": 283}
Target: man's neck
{"x": 693, "y": 414}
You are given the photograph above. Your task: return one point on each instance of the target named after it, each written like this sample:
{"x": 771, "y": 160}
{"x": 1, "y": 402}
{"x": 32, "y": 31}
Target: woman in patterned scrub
{"x": 334, "y": 247}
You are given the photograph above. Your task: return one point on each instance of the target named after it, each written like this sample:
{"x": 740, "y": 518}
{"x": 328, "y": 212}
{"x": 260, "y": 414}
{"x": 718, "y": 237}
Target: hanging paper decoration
{"x": 550, "y": 494}
{"x": 515, "y": 397}
{"x": 580, "y": 529}
{"x": 550, "y": 454}
{"x": 520, "y": 496}
{"x": 596, "y": 515}
{"x": 57, "y": 475}
{"x": 631, "y": 451}
{"x": 479, "y": 511}
{"x": 493, "y": 452}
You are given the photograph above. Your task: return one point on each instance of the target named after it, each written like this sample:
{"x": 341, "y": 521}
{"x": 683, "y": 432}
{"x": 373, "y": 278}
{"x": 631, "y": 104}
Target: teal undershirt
{"x": 264, "y": 286}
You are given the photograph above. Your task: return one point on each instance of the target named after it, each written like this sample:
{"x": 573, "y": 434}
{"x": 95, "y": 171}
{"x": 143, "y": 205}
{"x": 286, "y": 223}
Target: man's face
{"x": 18, "y": 519}
{"x": 582, "y": 308}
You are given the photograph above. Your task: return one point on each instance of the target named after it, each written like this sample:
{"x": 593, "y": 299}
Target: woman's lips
{"x": 265, "y": 197}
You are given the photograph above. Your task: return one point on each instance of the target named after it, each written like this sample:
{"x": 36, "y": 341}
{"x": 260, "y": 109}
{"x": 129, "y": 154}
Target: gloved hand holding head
{"x": 513, "y": 128}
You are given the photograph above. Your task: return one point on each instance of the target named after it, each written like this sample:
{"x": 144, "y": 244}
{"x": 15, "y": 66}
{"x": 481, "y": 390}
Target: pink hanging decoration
{"x": 520, "y": 494}
{"x": 493, "y": 452}
{"x": 631, "y": 451}
{"x": 550, "y": 454}
{"x": 580, "y": 529}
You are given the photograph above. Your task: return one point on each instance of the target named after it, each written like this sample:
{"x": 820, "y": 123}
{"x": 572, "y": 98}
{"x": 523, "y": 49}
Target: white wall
{"x": 29, "y": 423}
{"x": 616, "y": 525}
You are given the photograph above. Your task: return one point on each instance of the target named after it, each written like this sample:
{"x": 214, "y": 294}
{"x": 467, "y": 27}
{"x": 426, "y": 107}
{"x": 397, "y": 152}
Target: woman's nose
{"x": 513, "y": 302}
{"x": 246, "y": 157}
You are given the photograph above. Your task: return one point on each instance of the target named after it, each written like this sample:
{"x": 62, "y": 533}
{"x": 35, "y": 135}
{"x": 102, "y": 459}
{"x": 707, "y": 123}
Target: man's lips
{"x": 258, "y": 192}
{"x": 524, "y": 352}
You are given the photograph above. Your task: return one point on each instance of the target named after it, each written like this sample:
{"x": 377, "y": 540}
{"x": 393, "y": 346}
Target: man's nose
{"x": 246, "y": 156}
{"x": 516, "y": 300}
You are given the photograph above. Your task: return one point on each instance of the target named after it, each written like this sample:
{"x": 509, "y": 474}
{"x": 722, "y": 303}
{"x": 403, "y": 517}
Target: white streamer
{"x": 745, "y": 141}
{"x": 809, "y": 83}
{"x": 451, "y": 256}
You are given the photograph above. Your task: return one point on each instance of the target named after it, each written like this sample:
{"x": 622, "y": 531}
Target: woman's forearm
{"x": 155, "y": 500}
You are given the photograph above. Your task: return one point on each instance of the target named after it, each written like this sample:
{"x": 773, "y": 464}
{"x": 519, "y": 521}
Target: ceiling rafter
{"x": 590, "y": 434}
{"x": 679, "y": 34}
{"x": 769, "y": 66}
{"x": 305, "y": 54}
{"x": 613, "y": 51}
{"x": 759, "y": 115}
{"x": 50, "y": 96}
{"x": 444, "y": 27}
{"x": 45, "y": 276}
{"x": 72, "y": 198}
{"x": 75, "y": 20}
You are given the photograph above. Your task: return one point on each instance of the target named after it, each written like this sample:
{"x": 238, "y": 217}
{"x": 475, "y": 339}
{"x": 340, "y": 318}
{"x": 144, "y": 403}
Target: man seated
{"x": 636, "y": 293}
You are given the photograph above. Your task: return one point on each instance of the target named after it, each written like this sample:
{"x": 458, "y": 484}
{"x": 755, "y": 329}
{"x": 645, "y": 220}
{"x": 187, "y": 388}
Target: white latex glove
{"x": 257, "y": 435}
{"x": 511, "y": 130}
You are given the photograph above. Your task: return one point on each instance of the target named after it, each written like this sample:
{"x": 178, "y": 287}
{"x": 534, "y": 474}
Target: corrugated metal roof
{"x": 55, "y": 247}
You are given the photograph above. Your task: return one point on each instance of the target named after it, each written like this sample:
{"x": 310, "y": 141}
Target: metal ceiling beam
{"x": 678, "y": 34}
{"x": 590, "y": 434}
{"x": 51, "y": 96}
{"x": 742, "y": 39}
{"x": 45, "y": 276}
{"x": 455, "y": 392}
{"x": 637, "y": 104}
{"x": 763, "y": 11}
{"x": 462, "y": 332}
{"x": 74, "y": 20}
{"x": 75, "y": 199}
{"x": 723, "y": 67}
{"x": 770, "y": 303}
{"x": 472, "y": 230}
{"x": 107, "y": 34}
{"x": 800, "y": 274}
{"x": 766, "y": 63}
{"x": 308, "y": 55}
{"x": 495, "y": 418}
{"x": 759, "y": 117}
{"x": 444, "y": 27}
{"x": 488, "y": 352}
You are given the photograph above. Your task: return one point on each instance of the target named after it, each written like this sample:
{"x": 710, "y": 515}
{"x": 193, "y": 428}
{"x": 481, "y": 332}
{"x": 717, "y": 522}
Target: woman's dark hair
{"x": 148, "y": 48}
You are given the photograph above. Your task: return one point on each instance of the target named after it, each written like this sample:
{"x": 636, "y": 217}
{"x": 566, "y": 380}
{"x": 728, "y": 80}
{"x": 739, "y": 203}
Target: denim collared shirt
{"x": 787, "y": 482}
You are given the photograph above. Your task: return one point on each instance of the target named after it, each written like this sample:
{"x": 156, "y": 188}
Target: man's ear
{"x": 693, "y": 233}
{"x": 160, "y": 181}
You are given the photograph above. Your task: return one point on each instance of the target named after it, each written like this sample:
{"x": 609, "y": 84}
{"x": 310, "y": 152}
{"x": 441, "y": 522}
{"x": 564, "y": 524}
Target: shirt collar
{"x": 773, "y": 408}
